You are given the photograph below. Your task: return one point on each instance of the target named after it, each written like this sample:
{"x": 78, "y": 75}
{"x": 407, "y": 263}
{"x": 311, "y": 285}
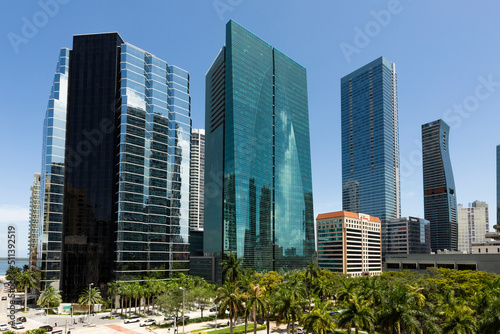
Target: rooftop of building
{"x": 339, "y": 214}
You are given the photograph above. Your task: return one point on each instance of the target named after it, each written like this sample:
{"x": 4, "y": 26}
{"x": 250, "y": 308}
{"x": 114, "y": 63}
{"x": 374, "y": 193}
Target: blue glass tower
{"x": 52, "y": 176}
{"x": 498, "y": 184}
{"x": 124, "y": 208}
{"x": 370, "y": 141}
{"x": 258, "y": 188}
{"x": 440, "y": 200}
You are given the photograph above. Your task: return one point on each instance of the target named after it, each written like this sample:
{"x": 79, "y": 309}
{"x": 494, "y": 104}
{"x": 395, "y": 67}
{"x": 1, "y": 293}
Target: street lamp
{"x": 183, "y": 308}
{"x": 88, "y": 318}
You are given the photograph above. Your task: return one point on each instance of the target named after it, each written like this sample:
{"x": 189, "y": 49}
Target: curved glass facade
{"x": 52, "y": 176}
{"x": 126, "y": 162}
{"x": 257, "y": 112}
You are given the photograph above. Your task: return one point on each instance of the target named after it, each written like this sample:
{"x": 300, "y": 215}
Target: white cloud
{"x": 13, "y": 213}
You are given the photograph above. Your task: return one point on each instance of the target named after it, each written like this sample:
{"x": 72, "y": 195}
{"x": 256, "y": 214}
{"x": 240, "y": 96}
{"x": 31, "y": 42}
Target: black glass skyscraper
{"x": 126, "y": 181}
{"x": 440, "y": 202}
{"x": 258, "y": 188}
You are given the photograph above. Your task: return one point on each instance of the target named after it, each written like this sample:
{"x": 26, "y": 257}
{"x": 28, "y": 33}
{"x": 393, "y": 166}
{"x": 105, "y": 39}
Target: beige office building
{"x": 473, "y": 224}
{"x": 349, "y": 243}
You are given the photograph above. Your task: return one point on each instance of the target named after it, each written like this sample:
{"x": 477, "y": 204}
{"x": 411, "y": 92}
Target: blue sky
{"x": 447, "y": 56}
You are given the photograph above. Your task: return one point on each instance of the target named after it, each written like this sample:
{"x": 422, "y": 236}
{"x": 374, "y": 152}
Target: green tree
{"x": 288, "y": 305}
{"x": 460, "y": 321}
{"x": 49, "y": 298}
{"x": 231, "y": 267}
{"x": 256, "y": 302}
{"x": 11, "y": 274}
{"x": 32, "y": 331}
{"x": 26, "y": 280}
{"x": 490, "y": 321}
{"x": 202, "y": 295}
{"x": 113, "y": 291}
{"x": 229, "y": 297}
{"x": 356, "y": 313}
{"x": 90, "y": 296}
{"x": 400, "y": 312}
{"x": 318, "y": 321}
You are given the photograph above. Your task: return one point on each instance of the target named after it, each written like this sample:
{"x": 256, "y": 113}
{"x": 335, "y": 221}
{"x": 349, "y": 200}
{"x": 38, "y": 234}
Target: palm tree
{"x": 357, "y": 313}
{"x": 231, "y": 267}
{"x": 49, "y": 298}
{"x": 311, "y": 273}
{"x": 26, "y": 280}
{"x": 400, "y": 312}
{"x": 229, "y": 297}
{"x": 288, "y": 306}
{"x": 460, "y": 321}
{"x": 113, "y": 291}
{"x": 490, "y": 322}
{"x": 90, "y": 297}
{"x": 318, "y": 321}
{"x": 256, "y": 301}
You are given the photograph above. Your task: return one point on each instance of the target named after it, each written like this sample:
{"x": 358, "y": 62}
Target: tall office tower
{"x": 498, "y": 184}
{"x": 370, "y": 141}
{"x": 440, "y": 202}
{"x": 52, "y": 177}
{"x": 33, "y": 223}
{"x": 407, "y": 235}
{"x": 126, "y": 185}
{"x": 349, "y": 243}
{"x": 473, "y": 224}
{"x": 197, "y": 178}
{"x": 258, "y": 188}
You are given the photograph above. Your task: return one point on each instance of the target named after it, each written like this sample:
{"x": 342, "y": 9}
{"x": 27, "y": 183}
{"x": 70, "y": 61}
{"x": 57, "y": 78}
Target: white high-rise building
{"x": 473, "y": 223}
{"x": 197, "y": 179}
{"x": 33, "y": 224}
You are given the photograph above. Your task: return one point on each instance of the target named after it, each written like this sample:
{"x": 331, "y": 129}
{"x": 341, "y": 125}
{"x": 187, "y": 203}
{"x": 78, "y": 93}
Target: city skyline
{"x": 330, "y": 46}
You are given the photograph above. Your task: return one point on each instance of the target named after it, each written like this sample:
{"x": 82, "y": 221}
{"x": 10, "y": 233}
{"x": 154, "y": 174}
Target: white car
{"x": 147, "y": 322}
{"x": 133, "y": 318}
{"x": 3, "y": 327}
{"x": 17, "y": 325}
{"x": 300, "y": 330}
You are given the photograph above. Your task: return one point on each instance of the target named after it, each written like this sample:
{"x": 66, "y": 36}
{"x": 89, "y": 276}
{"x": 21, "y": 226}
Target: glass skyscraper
{"x": 126, "y": 155}
{"x": 197, "y": 180}
{"x": 498, "y": 184}
{"x": 440, "y": 201}
{"x": 258, "y": 188}
{"x": 370, "y": 141}
{"x": 52, "y": 177}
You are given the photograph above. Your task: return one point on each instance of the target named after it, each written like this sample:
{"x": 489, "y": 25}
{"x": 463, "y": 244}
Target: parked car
{"x": 48, "y": 328}
{"x": 168, "y": 317}
{"x": 213, "y": 309}
{"x": 147, "y": 322}
{"x": 17, "y": 325}
{"x": 300, "y": 330}
{"x": 4, "y": 297}
{"x": 186, "y": 317}
{"x": 133, "y": 318}
{"x": 22, "y": 319}
{"x": 3, "y": 327}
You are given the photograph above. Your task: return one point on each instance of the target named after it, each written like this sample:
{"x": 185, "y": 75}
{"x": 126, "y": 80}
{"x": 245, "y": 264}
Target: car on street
{"x": 186, "y": 317}
{"x": 300, "y": 330}
{"x": 147, "y": 322}
{"x": 48, "y": 328}
{"x": 213, "y": 309}
{"x": 4, "y": 297}
{"x": 17, "y": 325}
{"x": 22, "y": 319}
{"x": 4, "y": 327}
{"x": 133, "y": 318}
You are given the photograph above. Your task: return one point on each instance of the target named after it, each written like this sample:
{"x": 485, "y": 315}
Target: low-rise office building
{"x": 349, "y": 243}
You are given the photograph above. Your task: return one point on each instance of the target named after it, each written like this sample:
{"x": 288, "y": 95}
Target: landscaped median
{"x": 236, "y": 330}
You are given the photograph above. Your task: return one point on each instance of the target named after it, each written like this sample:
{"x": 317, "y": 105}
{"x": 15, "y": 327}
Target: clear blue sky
{"x": 447, "y": 56}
